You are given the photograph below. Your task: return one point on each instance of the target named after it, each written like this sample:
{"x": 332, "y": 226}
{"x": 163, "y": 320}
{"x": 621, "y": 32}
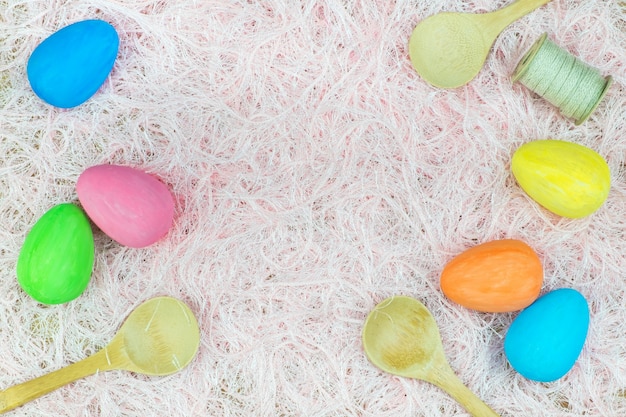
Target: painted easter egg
{"x": 56, "y": 260}
{"x": 130, "y": 206}
{"x": 568, "y": 179}
{"x": 69, "y": 66}
{"x": 545, "y": 340}
{"x": 496, "y": 276}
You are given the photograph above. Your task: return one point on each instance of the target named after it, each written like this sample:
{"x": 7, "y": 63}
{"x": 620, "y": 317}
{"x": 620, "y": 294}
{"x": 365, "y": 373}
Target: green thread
{"x": 563, "y": 80}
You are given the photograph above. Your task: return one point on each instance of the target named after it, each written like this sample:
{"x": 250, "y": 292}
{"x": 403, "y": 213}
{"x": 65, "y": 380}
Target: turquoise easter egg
{"x": 545, "y": 340}
{"x": 56, "y": 260}
{"x": 69, "y": 66}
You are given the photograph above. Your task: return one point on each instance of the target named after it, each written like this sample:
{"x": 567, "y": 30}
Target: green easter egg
{"x": 56, "y": 261}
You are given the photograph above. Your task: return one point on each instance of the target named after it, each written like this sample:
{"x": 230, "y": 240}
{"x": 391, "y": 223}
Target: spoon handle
{"x": 20, "y": 394}
{"x": 447, "y": 380}
{"x": 500, "y": 19}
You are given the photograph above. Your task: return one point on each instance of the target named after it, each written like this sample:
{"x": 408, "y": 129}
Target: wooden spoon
{"x": 401, "y": 337}
{"x": 449, "y": 49}
{"x": 160, "y": 337}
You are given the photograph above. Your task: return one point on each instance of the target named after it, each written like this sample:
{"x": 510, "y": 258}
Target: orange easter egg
{"x": 497, "y": 276}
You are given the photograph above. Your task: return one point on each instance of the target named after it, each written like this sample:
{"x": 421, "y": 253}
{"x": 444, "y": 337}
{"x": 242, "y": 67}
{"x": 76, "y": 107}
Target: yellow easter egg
{"x": 568, "y": 179}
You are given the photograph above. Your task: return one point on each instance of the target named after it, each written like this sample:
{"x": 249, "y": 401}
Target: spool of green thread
{"x": 566, "y": 82}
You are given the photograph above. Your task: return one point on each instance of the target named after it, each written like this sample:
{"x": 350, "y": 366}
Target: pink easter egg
{"x": 130, "y": 206}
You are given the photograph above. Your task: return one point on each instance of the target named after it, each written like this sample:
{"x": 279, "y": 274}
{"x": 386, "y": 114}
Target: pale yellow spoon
{"x": 401, "y": 337}
{"x": 449, "y": 49}
{"x": 160, "y": 337}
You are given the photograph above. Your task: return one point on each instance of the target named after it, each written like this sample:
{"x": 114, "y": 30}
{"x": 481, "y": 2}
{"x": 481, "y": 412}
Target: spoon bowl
{"x": 449, "y": 49}
{"x": 160, "y": 337}
{"x": 401, "y": 337}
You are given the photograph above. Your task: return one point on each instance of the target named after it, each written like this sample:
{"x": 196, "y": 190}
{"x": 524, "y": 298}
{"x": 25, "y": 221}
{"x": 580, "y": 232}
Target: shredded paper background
{"x": 314, "y": 174}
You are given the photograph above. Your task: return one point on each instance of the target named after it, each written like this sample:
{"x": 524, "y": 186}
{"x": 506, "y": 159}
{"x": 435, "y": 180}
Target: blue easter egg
{"x": 545, "y": 340}
{"x": 69, "y": 66}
